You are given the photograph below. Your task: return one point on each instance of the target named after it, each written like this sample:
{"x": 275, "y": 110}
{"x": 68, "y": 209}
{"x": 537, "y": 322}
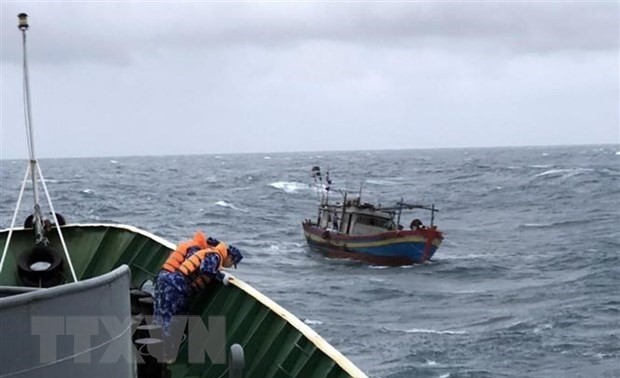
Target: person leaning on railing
{"x": 188, "y": 269}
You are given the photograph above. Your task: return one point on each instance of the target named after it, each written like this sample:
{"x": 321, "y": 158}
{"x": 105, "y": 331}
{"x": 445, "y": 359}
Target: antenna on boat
{"x": 33, "y": 169}
{"x": 400, "y": 211}
{"x": 328, "y": 184}
{"x": 318, "y": 181}
{"x": 359, "y": 197}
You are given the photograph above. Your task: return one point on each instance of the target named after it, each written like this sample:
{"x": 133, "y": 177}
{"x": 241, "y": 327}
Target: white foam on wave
{"x": 289, "y": 186}
{"x": 565, "y": 173}
{"x": 618, "y": 153}
{"x": 312, "y": 322}
{"x": 88, "y": 191}
{"x": 229, "y": 205}
{"x": 547, "y": 225}
{"x": 267, "y": 157}
{"x": 113, "y": 161}
{"x": 380, "y": 182}
{"x": 210, "y": 179}
{"x": 533, "y": 225}
{"x": 543, "y": 327}
{"x": 447, "y": 375}
{"x": 434, "y": 331}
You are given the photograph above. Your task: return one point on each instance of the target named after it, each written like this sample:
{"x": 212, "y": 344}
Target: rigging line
{"x": 62, "y": 239}
{"x": 20, "y": 372}
{"x": 19, "y": 200}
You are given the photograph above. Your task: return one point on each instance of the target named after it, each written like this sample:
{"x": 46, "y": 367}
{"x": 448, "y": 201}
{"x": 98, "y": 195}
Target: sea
{"x": 525, "y": 284}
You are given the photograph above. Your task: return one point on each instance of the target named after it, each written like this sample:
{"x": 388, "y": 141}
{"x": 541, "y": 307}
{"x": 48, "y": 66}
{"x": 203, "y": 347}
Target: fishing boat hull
{"x": 392, "y": 248}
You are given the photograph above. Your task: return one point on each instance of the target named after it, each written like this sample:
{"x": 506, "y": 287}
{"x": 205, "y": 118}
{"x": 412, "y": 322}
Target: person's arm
{"x": 210, "y": 267}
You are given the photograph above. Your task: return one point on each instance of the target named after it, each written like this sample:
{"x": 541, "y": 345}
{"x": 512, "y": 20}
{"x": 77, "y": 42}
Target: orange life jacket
{"x": 191, "y": 266}
{"x": 177, "y": 257}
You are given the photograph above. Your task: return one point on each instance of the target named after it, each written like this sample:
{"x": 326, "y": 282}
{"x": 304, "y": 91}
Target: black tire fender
{"x": 48, "y": 277}
{"x": 29, "y": 222}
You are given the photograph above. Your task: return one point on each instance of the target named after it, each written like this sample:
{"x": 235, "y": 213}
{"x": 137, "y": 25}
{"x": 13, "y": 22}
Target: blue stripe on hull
{"x": 398, "y": 253}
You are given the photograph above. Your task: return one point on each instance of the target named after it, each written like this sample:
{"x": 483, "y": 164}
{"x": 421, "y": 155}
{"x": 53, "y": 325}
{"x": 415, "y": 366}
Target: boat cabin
{"x": 356, "y": 219}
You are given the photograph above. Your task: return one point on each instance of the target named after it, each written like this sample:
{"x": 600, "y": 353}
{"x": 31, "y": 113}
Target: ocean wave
{"x": 434, "y": 331}
{"x": 472, "y": 256}
{"x": 564, "y": 294}
{"x": 380, "y": 182}
{"x": 210, "y": 179}
{"x": 564, "y": 172}
{"x": 491, "y": 321}
{"x": 553, "y": 224}
{"x": 312, "y": 322}
{"x": 229, "y": 205}
{"x": 289, "y": 186}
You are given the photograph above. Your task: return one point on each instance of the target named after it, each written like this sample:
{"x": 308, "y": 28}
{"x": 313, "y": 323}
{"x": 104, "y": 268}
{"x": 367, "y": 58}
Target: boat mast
{"x": 344, "y": 207}
{"x": 34, "y": 170}
{"x": 37, "y": 218}
{"x": 400, "y": 211}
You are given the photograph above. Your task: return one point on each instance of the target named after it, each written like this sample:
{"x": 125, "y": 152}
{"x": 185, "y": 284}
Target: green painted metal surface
{"x": 274, "y": 347}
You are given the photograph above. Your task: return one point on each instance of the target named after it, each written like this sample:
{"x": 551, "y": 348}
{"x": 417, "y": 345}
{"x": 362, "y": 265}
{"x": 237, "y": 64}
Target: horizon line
{"x": 312, "y": 151}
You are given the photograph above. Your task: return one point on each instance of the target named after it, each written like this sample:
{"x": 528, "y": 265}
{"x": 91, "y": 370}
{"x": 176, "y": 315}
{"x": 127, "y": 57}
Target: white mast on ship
{"x": 33, "y": 169}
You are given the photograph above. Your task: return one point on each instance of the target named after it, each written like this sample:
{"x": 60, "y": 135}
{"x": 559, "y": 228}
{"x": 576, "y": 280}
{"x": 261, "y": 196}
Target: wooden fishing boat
{"x": 361, "y": 231}
{"x": 56, "y": 277}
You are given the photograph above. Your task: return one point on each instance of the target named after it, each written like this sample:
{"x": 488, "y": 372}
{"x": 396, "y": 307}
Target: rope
{"x": 62, "y": 239}
{"x": 19, "y": 200}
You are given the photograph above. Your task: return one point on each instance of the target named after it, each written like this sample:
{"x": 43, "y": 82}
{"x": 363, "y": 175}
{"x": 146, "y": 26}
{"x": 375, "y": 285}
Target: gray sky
{"x": 153, "y": 78}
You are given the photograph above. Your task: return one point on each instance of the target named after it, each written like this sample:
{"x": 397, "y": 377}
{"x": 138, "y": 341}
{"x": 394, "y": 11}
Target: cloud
{"x": 114, "y": 33}
{"x": 112, "y": 79}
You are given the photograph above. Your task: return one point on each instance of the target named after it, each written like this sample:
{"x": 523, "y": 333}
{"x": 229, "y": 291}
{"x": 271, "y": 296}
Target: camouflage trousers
{"x": 171, "y": 298}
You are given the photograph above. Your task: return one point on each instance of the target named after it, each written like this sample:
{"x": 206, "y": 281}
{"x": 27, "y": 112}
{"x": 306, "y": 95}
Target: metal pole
{"x": 38, "y": 229}
{"x": 344, "y": 207}
{"x": 400, "y": 211}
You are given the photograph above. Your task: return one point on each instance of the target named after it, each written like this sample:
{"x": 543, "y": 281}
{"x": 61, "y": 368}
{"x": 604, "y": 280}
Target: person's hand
{"x": 213, "y": 242}
{"x": 226, "y": 279}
